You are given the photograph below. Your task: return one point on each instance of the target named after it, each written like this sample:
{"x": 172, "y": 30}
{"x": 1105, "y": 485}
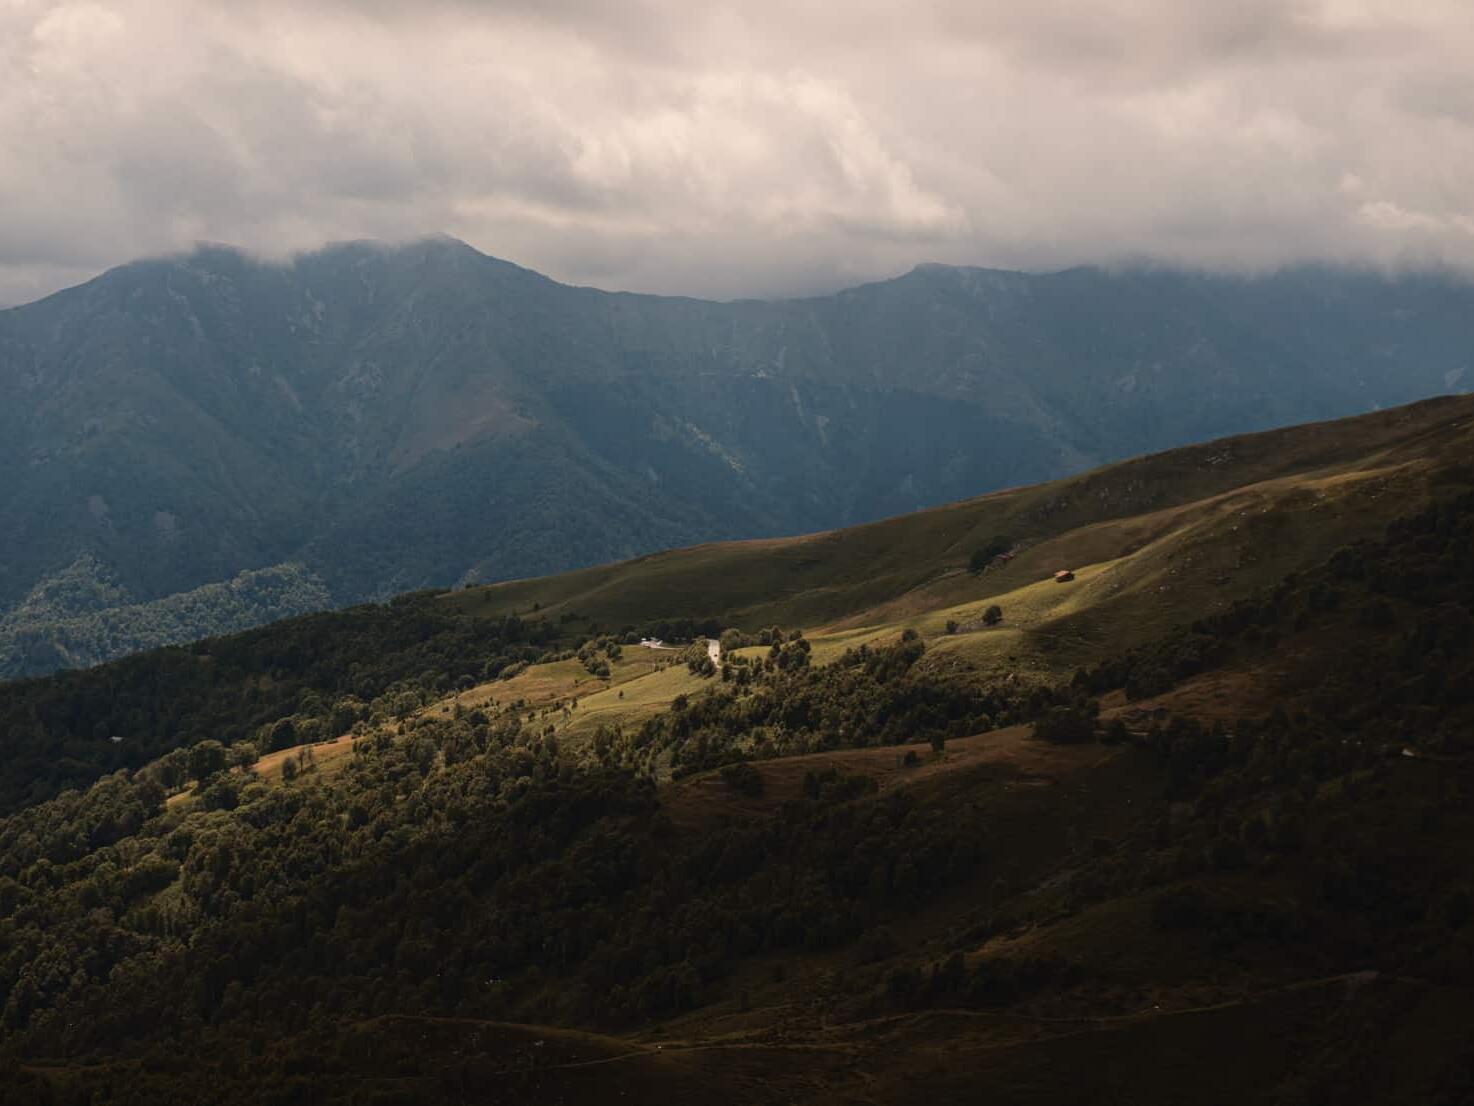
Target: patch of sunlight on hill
{"x": 630, "y": 703}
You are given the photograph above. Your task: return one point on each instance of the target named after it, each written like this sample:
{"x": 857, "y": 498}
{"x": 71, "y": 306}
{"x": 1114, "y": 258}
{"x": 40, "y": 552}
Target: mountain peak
{"x": 210, "y": 252}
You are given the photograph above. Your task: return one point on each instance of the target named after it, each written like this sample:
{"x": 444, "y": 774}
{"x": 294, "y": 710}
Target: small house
{"x": 1063, "y": 576}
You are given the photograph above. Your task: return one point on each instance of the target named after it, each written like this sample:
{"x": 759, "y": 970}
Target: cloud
{"x": 756, "y": 149}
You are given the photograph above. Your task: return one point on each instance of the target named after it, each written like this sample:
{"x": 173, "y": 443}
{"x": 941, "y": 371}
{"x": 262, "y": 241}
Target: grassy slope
{"x": 823, "y": 578}
{"x": 1153, "y": 542}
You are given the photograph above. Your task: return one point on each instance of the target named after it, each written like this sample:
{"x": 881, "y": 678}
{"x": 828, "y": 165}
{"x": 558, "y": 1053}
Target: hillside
{"x": 1175, "y": 532}
{"x": 79, "y": 618}
{"x": 1212, "y": 846}
{"x": 1154, "y": 543}
{"x": 396, "y": 418}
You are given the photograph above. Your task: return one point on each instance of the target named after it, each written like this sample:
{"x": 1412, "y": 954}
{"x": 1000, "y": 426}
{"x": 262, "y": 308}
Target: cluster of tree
{"x": 1068, "y": 723}
{"x": 38, "y": 638}
{"x": 671, "y": 630}
{"x": 733, "y": 638}
{"x": 698, "y": 659}
{"x": 1352, "y": 786}
{"x": 462, "y": 868}
{"x": 781, "y": 705}
{"x": 989, "y": 551}
{"x": 597, "y": 654}
{"x": 59, "y": 732}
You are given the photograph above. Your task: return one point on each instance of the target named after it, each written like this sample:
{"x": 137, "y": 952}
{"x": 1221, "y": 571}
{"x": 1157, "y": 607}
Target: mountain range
{"x": 371, "y": 419}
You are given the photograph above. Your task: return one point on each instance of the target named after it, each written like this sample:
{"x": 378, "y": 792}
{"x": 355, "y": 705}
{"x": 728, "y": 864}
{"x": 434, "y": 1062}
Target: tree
{"x": 993, "y": 615}
{"x": 1066, "y": 725}
{"x": 172, "y": 769}
{"x": 242, "y": 754}
{"x": 205, "y": 759}
{"x": 283, "y": 735}
{"x": 951, "y": 625}
{"x": 983, "y": 556}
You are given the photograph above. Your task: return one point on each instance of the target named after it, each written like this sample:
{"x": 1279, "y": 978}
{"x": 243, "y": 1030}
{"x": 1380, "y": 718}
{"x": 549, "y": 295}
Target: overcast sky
{"x": 760, "y": 148}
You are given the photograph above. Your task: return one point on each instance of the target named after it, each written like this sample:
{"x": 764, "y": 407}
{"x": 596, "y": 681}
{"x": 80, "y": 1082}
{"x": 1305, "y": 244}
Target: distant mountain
{"x": 392, "y": 418}
{"x": 78, "y": 617}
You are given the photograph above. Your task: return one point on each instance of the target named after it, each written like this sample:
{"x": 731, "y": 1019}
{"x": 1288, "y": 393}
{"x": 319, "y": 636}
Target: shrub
{"x": 205, "y": 759}
{"x": 1066, "y": 726}
{"x": 984, "y": 554}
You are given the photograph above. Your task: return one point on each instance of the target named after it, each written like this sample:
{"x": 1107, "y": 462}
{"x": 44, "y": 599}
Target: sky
{"x": 763, "y": 148}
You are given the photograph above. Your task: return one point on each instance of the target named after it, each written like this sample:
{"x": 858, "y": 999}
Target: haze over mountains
{"x": 368, "y": 420}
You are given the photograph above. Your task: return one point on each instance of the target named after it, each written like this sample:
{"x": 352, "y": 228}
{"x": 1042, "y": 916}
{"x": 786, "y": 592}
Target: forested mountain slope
{"x": 1231, "y": 862}
{"x": 78, "y": 618}
{"x": 393, "y": 418}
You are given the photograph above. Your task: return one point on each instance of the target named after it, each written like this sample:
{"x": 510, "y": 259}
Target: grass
{"x": 918, "y": 561}
{"x": 630, "y": 702}
{"x": 328, "y": 758}
{"x": 537, "y": 686}
{"x": 1135, "y": 578}
{"x": 642, "y": 683}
